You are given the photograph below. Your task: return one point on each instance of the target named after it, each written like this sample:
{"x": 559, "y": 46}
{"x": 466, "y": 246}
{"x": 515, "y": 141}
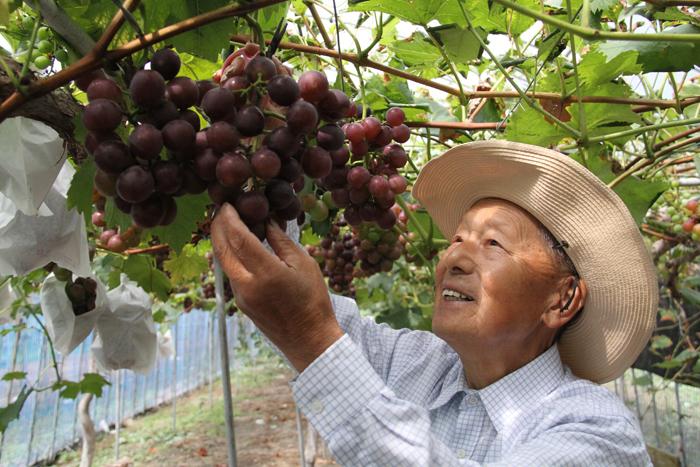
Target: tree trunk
{"x": 88, "y": 449}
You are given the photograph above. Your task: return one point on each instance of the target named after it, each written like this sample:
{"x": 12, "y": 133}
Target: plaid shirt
{"x": 382, "y": 397}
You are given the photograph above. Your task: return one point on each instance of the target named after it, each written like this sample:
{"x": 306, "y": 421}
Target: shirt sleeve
{"x": 365, "y": 423}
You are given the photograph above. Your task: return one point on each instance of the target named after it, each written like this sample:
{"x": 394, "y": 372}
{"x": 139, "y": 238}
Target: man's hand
{"x": 285, "y": 295}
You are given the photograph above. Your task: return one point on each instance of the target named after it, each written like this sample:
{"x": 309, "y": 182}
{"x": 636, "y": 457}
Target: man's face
{"x": 499, "y": 260}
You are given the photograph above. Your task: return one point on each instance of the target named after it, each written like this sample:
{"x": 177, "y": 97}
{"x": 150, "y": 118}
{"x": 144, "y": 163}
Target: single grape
{"x": 191, "y": 183}
{"x": 205, "y": 165}
{"x": 122, "y": 205}
{"x": 221, "y": 194}
{"x": 386, "y": 219}
{"x": 163, "y": 113}
{"x": 113, "y": 157}
{"x": 135, "y": 184}
{"x": 240, "y": 87}
{"x": 337, "y": 178}
{"x": 291, "y": 211}
{"x": 233, "y": 169}
{"x": 355, "y": 132}
{"x": 217, "y": 103}
{"x": 372, "y": 127}
{"x": 183, "y": 92}
{"x": 260, "y": 68}
{"x": 92, "y": 140}
{"x": 334, "y": 105}
{"x": 43, "y": 33}
{"x": 178, "y": 134}
{"x": 116, "y": 244}
{"x": 313, "y": 86}
{"x": 302, "y": 117}
{"x": 166, "y": 62}
{"x": 395, "y": 116}
{"x": 106, "y": 235}
{"x": 398, "y": 184}
{"x": 316, "y": 162}
{"x": 319, "y": 212}
{"x": 223, "y": 136}
{"x": 253, "y": 207}
{"x": 150, "y": 212}
{"x": 358, "y": 177}
{"x": 102, "y": 116}
{"x": 83, "y": 81}
{"x": 191, "y": 117}
{"x": 401, "y": 133}
{"x": 383, "y": 138}
{"x": 340, "y": 156}
{"x": 379, "y": 186}
{"x": 359, "y": 196}
{"x": 341, "y": 197}
{"x": 358, "y": 150}
{"x": 169, "y": 211}
{"x": 203, "y": 87}
{"x": 98, "y": 219}
{"x": 283, "y": 90}
{"x": 250, "y": 121}
{"x": 104, "y": 88}
{"x": 168, "y": 177}
{"x": 61, "y": 55}
{"x": 146, "y": 142}
{"x": 147, "y": 88}
{"x": 265, "y": 163}
{"x": 280, "y": 194}
{"x": 330, "y": 137}
{"x": 105, "y": 183}
{"x": 290, "y": 171}
{"x": 283, "y": 142}
{"x": 42, "y": 62}
{"x": 395, "y": 155}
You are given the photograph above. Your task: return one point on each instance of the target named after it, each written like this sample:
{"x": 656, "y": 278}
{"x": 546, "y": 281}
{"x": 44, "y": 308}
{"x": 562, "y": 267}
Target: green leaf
{"x": 191, "y": 209}
{"x": 416, "y": 51}
{"x": 4, "y": 12}
{"x": 12, "y": 411}
{"x": 597, "y": 68}
{"x": 499, "y": 19}
{"x": 11, "y": 375}
{"x": 186, "y": 266}
{"x": 668, "y": 364}
{"x": 661, "y": 342}
{"x": 116, "y": 218}
{"x": 92, "y": 383}
{"x": 67, "y": 389}
{"x": 205, "y": 41}
{"x": 195, "y": 67}
{"x": 600, "y": 5}
{"x": 269, "y": 17}
{"x": 637, "y": 194}
{"x": 644, "y": 380}
{"x": 660, "y": 55}
{"x": 141, "y": 270}
{"x": 80, "y": 191}
{"x": 529, "y": 126}
{"x": 686, "y": 355}
{"x": 460, "y": 44}
{"x": 385, "y": 91}
{"x": 691, "y": 295}
{"x": 416, "y": 11}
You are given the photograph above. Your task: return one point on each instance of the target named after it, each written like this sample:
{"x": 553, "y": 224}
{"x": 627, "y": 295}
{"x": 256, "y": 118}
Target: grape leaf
{"x": 12, "y": 410}
{"x": 597, "y": 68}
{"x": 191, "y": 209}
{"x": 416, "y": 11}
{"x": 659, "y": 55}
{"x": 10, "y": 375}
{"x": 499, "y": 19}
{"x": 80, "y": 191}
{"x": 460, "y": 44}
{"x": 269, "y": 17}
{"x": 416, "y": 51}
{"x": 187, "y": 265}
{"x": 141, "y": 270}
{"x": 661, "y": 342}
{"x": 116, "y": 218}
{"x": 600, "y": 5}
{"x": 204, "y": 41}
{"x": 92, "y": 383}
{"x": 529, "y": 126}
{"x": 195, "y": 67}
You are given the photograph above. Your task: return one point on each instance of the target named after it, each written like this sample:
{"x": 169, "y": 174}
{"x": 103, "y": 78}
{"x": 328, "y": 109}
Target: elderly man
{"x": 545, "y": 290}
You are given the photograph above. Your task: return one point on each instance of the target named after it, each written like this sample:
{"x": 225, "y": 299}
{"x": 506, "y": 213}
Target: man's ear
{"x": 558, "y": 314}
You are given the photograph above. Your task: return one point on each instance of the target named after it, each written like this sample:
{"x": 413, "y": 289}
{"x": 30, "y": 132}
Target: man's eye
{"x": 493, "y": 242}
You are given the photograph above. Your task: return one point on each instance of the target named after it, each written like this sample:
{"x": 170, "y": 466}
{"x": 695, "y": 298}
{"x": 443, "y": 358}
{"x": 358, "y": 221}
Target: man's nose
{"x": 459, "y": 260}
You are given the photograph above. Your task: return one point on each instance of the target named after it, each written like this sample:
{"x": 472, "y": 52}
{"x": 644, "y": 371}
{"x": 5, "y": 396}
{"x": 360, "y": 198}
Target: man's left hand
{"x": 283, "y": 293}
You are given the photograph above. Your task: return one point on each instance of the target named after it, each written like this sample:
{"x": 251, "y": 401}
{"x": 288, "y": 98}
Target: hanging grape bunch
{"x": 337, "y": 256}
{"x": 368, "y": 187}
{"x": 81, "y": 291}
{"x": 377, "y": 249}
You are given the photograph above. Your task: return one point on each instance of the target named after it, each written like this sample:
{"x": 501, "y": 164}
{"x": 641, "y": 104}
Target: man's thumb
{"x": 281, "y": 244}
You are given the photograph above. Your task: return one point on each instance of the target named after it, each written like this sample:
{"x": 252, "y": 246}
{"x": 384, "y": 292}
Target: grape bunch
{"x": 337, "y": 256}
{"x": 378, "y": 249}
{"x": 367, "y": 188}
{"x": 81, "y": 291}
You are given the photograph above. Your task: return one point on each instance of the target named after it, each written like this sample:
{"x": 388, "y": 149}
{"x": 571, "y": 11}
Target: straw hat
{"x": 604, "y": 242}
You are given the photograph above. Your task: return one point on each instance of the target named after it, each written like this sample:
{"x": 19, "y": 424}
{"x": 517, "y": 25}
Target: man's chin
{"x": 450, "y": 317}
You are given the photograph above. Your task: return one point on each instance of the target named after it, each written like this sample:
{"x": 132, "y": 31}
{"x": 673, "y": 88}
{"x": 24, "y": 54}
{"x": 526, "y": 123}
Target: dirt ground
{"x": 265, "y": 426}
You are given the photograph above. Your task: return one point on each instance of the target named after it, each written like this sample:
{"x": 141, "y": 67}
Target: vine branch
{"x": 596, "y": 34}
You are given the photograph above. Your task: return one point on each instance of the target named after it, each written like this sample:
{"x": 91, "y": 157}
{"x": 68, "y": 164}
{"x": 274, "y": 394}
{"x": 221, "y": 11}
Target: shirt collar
{"x": 453, "y": 383}
{"x": 509, "y": 397}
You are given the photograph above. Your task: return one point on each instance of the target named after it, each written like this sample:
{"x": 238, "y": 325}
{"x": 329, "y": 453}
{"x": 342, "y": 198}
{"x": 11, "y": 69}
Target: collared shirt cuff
{"x": 336, "y": 386}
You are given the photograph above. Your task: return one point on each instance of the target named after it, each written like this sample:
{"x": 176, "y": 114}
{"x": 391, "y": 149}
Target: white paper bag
{"x": 166, "y": 346}
{"x": 7, "y": 297}
{"x": 126, "y": 336}
{"x": 66, "y": 329}
{"x": 56, "y": 234}
{"x": 33, "y": 154}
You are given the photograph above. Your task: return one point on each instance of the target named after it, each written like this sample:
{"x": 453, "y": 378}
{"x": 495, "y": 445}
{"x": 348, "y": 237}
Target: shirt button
{"x": 316, "y": 406}
{"x": 461, "y": 454}
{"x": 472, "y": 400}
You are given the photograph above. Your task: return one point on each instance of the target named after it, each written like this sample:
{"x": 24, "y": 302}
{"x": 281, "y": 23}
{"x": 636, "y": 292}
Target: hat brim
{"x": 604, "y": 241}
